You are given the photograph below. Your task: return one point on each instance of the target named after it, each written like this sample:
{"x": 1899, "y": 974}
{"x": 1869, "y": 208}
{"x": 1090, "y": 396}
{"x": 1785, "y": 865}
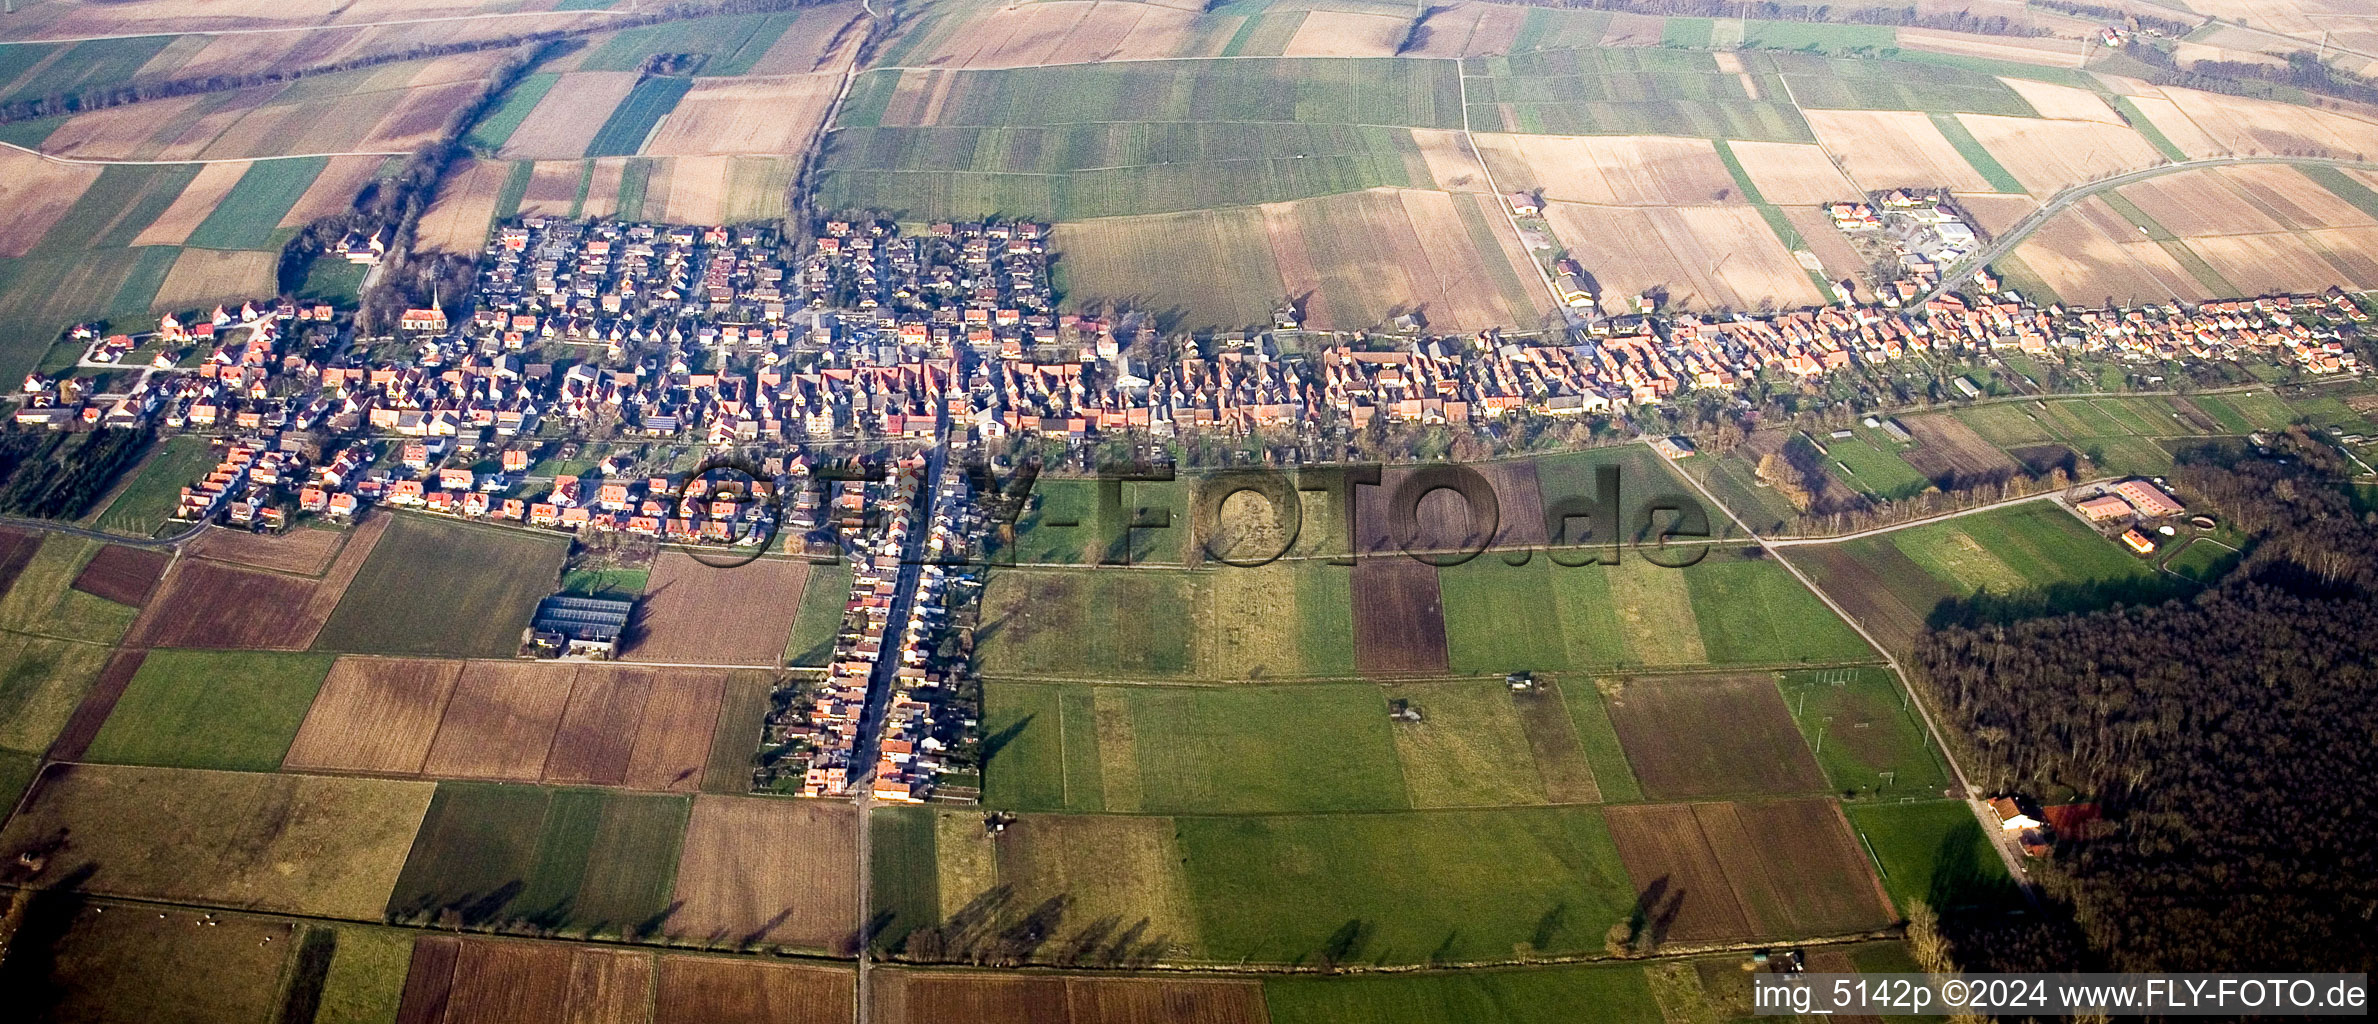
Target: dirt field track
{"x": 765, "y": 872}
{"x": 696, "y": 613}
{"x": 918, "y": 997}
{"x": 638, "y": 728}
{"x": 209, "y": 604}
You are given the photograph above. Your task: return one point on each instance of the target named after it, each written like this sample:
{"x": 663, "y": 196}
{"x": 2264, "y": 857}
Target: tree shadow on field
{"x": 1985, "y": 608}
{"x": 28, "y": 973}
{"x": 998, "y": 741}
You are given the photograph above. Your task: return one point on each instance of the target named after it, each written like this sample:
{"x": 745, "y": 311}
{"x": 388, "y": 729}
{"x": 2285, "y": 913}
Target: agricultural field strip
{"x": 103, "y": 161}
{"x": 331, "y": 26}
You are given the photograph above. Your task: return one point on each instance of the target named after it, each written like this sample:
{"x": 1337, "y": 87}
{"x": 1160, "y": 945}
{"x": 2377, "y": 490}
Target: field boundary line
{"x": 54, "y": 158}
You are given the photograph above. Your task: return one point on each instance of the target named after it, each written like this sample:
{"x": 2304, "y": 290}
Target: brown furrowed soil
{"x": 1694, "y": 736}
{"x": 122, "y": 574}
{"x": 1399, "y": 620}
{"x": 767, "y": 872}
{"x": 716, "y": 990}
{"x": 1952, "y": 454}
{"x": 212, "y": 605}
{"x": 375, "y": 715}
{"x": 696, "y": 613}
{"x": 919, "y": 997}
{"x": 303, "y": 552}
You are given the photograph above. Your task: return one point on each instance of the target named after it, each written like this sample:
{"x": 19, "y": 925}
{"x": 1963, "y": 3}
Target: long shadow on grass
{"x": 1985, "y": 608}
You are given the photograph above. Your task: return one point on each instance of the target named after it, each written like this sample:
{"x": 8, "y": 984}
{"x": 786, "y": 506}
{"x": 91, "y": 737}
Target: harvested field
{"x": 1694, "y": 737}
{"x": 1124, "y": 259}
{"x": 1793, "y": 174}
{"x": 2294, "y": 197}
{"x": 197, "y": 201}
{"x": 491, "y": 981}
{"x": 333, "y": 190}
{"x": 208, "y": 604}
{"x": 2279, "y": 262}
{"x": 1452, "y": 164}
{"x": 822, "y": 39}
{"x": 1833, "y": 251}
{"x": 2079, "y": 254}
{"x": 562, "y": 124}
{"x": 301, "y": 552}
{"x": 458, "y": 219}
{"x": 693, "y": 612}
{"x": 718, "y": 117}
{"x": 500, "y": 721}
{"x": 602, "y": 190}
{"x": 1344, "y": 34}
{"x": 1036, "y": 34}
{"x": 2250, "y": 127}
{"x": 768, "y": 872}
{"x": 204, "y": 277}
{"x": 553, "y": 188}
{"x": 2049, "y": 156}
{"x": 34, "y": 194}
{"x": 1702, "y": 258}
{"x": 489, "y": 581}
{"x": 122, "y": 574}
{"x": 1466, "y": 29}
{"x": 1611, "y": 170}
{"x": 920, "y": 997}
{"x": 1883, "y": 149}
{"x": 1399, "y": 626}
{"x": 711, "y": 990}
{"x": 124, "y": 132}
{"x": 1953, "y": 455}
{"x": 1996, "y": 215}
{"x": 374, "y": 715}
{"x": 2049, "y": 51}
{"x": 288, "y": 843}
{"x": 1721, "y": 871}
{"x": 1453, "y": 286}
{"x": 2063, "y": 102}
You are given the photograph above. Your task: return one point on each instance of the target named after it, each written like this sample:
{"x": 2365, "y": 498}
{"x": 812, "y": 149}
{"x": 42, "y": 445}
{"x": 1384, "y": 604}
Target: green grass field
{"x": 211, "y": 709}
{"x": 582, "y": 861}
{"x": 1751, "y": 610}
{"x": 1551, "y": 995}
{"x": 1871, "y": 466}
{"x": 906, "y": 880}
{"x": 152, "y": 965}
{"x": 1552, "y": 28}
{"x": 1113, "y": 623}
{"x": 1865, "y": 737}
{"x": 820, "y": 616}
{"x": 1092, "y": 538}
{"x": 436, "y": 587}
{"x": 366, "y": 979}
{"x": 728, "y": 44}
{"x": 592, "y": 582}
{"x": 623, "y": 133}
{"x": 1934, "y": 851}
{"x": 1189, "y": 750}
{"x": 43, "y": 600}
{"x": 1349, "y": 887}
{"x": 248, "y": 217}
{"x": 1817, "y": 37}
{"x": 145, "y": 503}
{"x": 42, "y": 681}
{"x": 1602, "y": 749}
{"x": 1937, "y": 87}
{"x": 1975, "y": 153}
{"x": 88, "y": 64}
{"x": 497, "y": 127}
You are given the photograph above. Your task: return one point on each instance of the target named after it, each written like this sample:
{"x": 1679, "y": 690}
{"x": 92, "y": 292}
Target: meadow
{"x": 1628, "y": 92}
{"x": 485, "y": 582}
{"x": 1934, "y": 851}
{"x": 578, "y": 860}
{"x": 144, "y": 505}
{"x": 211, "y": 709}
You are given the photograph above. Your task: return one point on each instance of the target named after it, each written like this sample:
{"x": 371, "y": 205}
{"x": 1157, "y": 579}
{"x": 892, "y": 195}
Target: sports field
{"x": 1934, "y": 851}
{"x": 437, "y": 587}
{"x": 1866, "y": 738}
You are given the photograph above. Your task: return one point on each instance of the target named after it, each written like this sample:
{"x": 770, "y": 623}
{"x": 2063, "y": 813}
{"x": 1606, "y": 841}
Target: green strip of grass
{"x": 246, "y": 218}
{"x": 820, "y": 617}
{"x": 507, "y": 201}
{"x": 2139, "y": 123}
{"x": 149, "y": 500}
{"x": 496, "y": 128}
{"x": 1974, "y": 153}
{"x": 632, "y": 181}
{"x": 2344, "y": 185}
{"x": 1602, "y": 750}
{"x": 906, "y": 876}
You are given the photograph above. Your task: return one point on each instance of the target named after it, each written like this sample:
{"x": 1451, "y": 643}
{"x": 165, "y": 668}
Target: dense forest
{"x": 57, "y": 475}
{"x": 2230, "y": 738}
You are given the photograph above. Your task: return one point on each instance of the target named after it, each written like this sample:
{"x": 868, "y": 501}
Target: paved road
{"x": 58, "y": 526}
{"x": 2058, "y": 203}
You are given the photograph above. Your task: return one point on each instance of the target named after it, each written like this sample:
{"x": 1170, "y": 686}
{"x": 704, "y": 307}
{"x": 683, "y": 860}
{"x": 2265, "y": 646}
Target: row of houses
{"x": 916, "y": 735}
{"x": 831, "y": 722}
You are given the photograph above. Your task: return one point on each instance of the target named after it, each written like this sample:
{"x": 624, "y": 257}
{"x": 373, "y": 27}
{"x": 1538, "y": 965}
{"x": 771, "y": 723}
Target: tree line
{"x": 2230, "y": 739}
{"x": 1908, "y": 16}
{"x": 2117, "y": 16}
{"x": 58, "y": 475}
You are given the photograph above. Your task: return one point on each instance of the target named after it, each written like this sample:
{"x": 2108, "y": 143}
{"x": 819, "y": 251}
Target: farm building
{"x": 2105, "y": 507}
{"x": 2136, "y": 541}
{"x": 1672, "y": 447}
{"x": 567, "y": 625}
{"x": 2149, "y": 499}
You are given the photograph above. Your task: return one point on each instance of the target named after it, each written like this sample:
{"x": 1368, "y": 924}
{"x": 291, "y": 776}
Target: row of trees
{"x": 56, "y": 475}
{"x": 1909, "y": 16}
{"x": 2230, "y": 737}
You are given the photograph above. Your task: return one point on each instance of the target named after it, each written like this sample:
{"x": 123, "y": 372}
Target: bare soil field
{"x": 197, "y": 201}
{"x": 1399, "y": 621}
{"x": 1702, "y": 736}
{"x": 2273, "y": 262}
{"x": 2048, "y": 156}
{"x": 16, "y": 550}
{"x": 1833, "y": 250}
{"x": 1376, "y": 254}
{"x": 1125, "y": 259}
{"x": 204, "y": 277}
{"x": 2194, "y": 203}
{"x": 602, "y": 189}
{"x": 75, "y": 740}
{"x": 1793, "y": 174}
{"x": 714, "y": 990}
{"x": 1718, "y": 871}
{"x": 1951, "y": 453}
{"x": 1445, "y": 522}
{"x": 696, "y": 613}
{"x": 417, "y": 117}
{"x": 768, "y": 872}
{"x": 117, "y": 132}
{"x": 2076, "y": 253}
{"x": 499, "y": 981}
{"x": 1996, "y": 215}
{"x": 565, "y": 121}
{"x": 34, "y": 194}
{"x": 2297, "y": 200}
{"x": 302, "y": 552}
{"x": 679, "y": 718}
{"x": 2048, "y": 51}
{"x": 552, "y": 187}
{"x": 598, "y": 731}
{"x": 1883, "y": 149}
{"x": 1611, "y": 170}
{"x": 500, "y": 721}
{"x": 2063, "y": 102}
{"x": 696, "y": 190}
{"x": 919, "y": 997}
{"x": 1703, "y": 258}
{"x": 822, "y": 40}
{"x": 1452, "y": 164}
{"x": 746, "y": 115}
{"x": 122, "y": 574}
{"x": 290, "y": 843}
{"x": 2353, "y": 250}
{"x": 2251, "y": 127}
{"x": 1345, "y": 34}
{"x": 375, "y": 715}
{"x": 2167, "y": 118}
{"x": 457, "y": 220}
{"x": 1634, "y": 30}
{"x": 209, "y": 604}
